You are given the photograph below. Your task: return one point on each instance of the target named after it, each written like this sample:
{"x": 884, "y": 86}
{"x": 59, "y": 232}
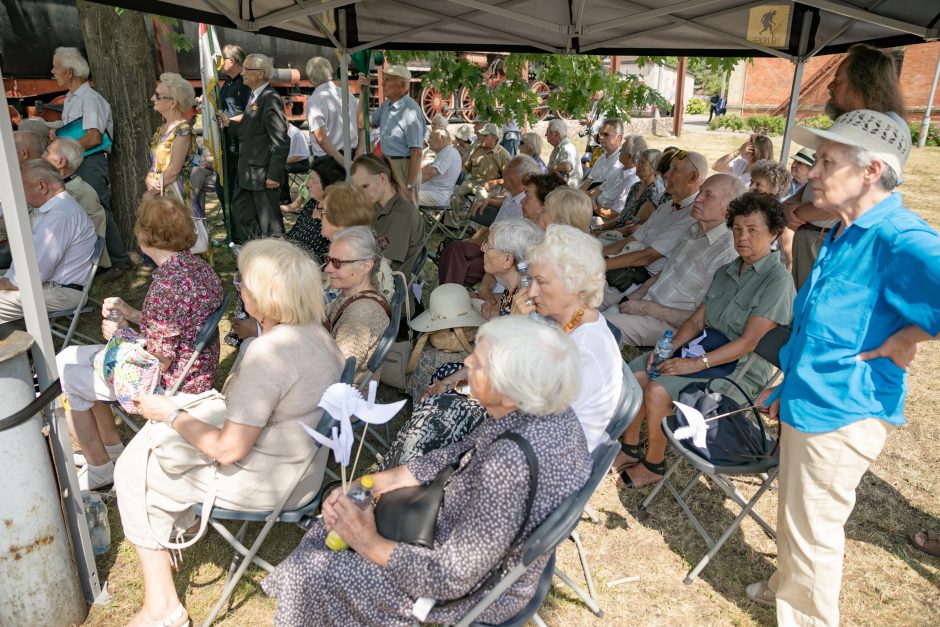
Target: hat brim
{"x": 813, "y": 137}
{"x": 803, "y": 160}
{"x": 423, "y": 323}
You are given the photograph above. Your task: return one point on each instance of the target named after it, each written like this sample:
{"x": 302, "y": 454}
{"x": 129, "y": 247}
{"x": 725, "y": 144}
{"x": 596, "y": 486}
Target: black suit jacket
{"x": 263, "y": 143}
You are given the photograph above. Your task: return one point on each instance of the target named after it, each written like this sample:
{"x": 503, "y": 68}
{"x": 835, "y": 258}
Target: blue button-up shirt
{"x": 401, "y": 126}
{"x": 878, "y": 276}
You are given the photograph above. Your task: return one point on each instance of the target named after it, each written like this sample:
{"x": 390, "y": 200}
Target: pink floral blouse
{"x": 184, "y": 291}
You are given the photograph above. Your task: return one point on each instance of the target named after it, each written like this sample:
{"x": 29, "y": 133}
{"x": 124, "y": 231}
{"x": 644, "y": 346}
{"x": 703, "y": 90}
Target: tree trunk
{"x": 122, "y": 65}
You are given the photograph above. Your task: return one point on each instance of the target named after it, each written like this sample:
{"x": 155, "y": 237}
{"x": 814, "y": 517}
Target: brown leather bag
{"x": 456, "y": 340}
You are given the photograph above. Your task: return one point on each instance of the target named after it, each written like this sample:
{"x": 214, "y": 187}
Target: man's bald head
{"x": 27, "y": 145}
{"x": 716, "y": 193}
{"x": 687, "y": 172}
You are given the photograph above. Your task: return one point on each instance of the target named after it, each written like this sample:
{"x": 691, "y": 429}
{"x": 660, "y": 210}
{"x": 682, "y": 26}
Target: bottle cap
{"x": 367, "y": 482}
{"x": 668, "y": 333}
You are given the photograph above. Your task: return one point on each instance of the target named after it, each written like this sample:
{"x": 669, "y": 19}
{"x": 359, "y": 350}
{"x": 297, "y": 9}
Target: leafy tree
{"x": 707, "y": 71}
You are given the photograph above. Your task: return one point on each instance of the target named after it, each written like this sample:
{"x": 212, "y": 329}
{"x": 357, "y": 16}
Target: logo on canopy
{"x": 769, "y": 25}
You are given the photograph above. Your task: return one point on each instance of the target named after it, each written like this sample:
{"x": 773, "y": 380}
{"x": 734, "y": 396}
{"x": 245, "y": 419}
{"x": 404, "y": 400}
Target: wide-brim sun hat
{"x": 806, "y": 156}
{"x": 877, "y": 133}
{"x": 448, "y": 307}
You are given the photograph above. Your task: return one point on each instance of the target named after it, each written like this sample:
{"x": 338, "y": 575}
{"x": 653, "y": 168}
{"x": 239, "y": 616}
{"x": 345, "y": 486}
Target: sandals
{"x": 624, "y": 479}
{"x": 926, "y": 540}
{"x": 630, "y": 455}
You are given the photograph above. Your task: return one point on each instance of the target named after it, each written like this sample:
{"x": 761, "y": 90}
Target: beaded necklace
{"x": 575, "y": 321}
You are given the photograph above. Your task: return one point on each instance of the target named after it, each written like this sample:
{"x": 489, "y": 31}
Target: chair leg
{"x": 538, "y": 621}
{"x": 595, "y": 609}
{"x": 590, "y": 513}
{"x": 659, "y": 486}
{"x": 585, "y": 567}
{"x": 680, "y": 499}
{"x": 732, "y": 492}
{"x": 117, "y": 409}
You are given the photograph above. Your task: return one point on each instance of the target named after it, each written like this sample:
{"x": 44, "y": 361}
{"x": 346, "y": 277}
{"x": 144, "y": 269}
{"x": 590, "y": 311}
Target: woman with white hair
{"x": 567, "y": 206}
{"x": 507, "y": 245}
{"x": 173, "y": 149}
{"x": 531, "y": 144}
{"x": 484, "y": 505}
{"x": 359, "y": 316}
{"x": 272, "y": 388}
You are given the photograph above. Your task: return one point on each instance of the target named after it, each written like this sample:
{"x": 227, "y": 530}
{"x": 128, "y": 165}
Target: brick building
{"x": 764, "y": 86}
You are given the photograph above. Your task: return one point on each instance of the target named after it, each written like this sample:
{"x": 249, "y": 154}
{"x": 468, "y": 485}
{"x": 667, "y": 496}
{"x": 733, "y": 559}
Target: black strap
{"x": 758, "y": 418}
{"x": 503, "y": 567}
{"x": 45, "y": 397}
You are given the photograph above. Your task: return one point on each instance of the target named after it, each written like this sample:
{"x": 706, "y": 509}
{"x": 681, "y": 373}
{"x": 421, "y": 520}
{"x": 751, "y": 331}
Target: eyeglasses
{"x": 157, "y": 96}
{"x": 337, "y": 263}
{"x": 485, "y": 246}
{"x": 251, "y": 69}
{"x": 680, "y": 155}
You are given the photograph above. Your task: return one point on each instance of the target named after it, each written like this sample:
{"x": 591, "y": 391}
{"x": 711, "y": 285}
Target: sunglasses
{"x": 157, "y": 96}
{"x": 338, "y": 263}
{"x": 680, "y": 155}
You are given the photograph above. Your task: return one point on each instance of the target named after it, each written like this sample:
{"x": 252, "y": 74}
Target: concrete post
{"x": 39, "y": 583}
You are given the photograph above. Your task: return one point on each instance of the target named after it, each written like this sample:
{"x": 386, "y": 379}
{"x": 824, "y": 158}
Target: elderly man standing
{"x": 667, "y": 300}
{"x": 610, "y": 197}
{"x": 608, "y": 164}
{"x": 325, "y": 114}
{"x": 66, "y": 156}
{"x": 648, "y": 249}
{"x": 64, "y": 239}
{"x": 564, "y": 160}
{"x": 401, "y": 128}
{"x": 440, "y": 176}
{"x": 28, "y": 146}
{"x": 872, "y": 296}
{"x": 70, "y": 70}
{"x": 263, "y": 148}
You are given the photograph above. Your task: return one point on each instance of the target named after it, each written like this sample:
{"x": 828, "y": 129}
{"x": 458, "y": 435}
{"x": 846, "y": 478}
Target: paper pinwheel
{"x": 697, "y": 429}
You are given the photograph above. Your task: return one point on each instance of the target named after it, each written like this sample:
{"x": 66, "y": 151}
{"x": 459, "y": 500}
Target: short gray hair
{"x": 577, "y": 259}
{"x": 36, "y": 170}
{"x": 362, "y": 245}
{"x": 570, "y": 206}
{"x": 440, "y": 121}
{"x": 179, "y": 89}
{"x": 617, "y": 123}
{"x": 558, "y": 125}
{"x": 862, "y": 158}
{"x": 264, "y": 62}
{"x": 698, "y": 162}
{"x": 633, "y": 145}
{"x": 517, "y": 351}
{"x": 533, "y": 140}
{"x": 319, "y": 71}
{"x": 524, "y": 165}
{"x": 38, "y": 127}
{"x": 653, "y": 156}
{"x": 70, "y": 150}
{"x": 515, "y": 236}
{"x": 440, "y": 132}
{"x": 72, "y": 59}
{"x": 24, "y": 140}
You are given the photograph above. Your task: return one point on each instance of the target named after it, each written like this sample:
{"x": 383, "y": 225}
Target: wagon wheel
{"x": 542, "y": 91}
{"x": 433, "y": 103}
{"x": 467, "y": 108}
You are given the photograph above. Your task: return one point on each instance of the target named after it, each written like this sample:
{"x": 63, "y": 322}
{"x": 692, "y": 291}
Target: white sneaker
{"x": 761, "y": 593}
{"x": 99, "y": 478}
{"x": 79, "y": 460}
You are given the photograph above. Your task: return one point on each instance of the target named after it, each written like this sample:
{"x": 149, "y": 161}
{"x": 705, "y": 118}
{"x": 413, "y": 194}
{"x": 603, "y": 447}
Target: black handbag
{"x": 713, "y": 339}
{"x": 731, "y": 440}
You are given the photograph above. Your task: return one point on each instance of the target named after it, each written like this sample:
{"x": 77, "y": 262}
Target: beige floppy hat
{"x": 449, "y": 307}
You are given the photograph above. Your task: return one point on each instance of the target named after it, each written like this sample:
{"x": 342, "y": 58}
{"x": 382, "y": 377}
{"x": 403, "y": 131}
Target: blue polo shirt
{"x": 401, "y": 126}
{"x": 879, "y": 276}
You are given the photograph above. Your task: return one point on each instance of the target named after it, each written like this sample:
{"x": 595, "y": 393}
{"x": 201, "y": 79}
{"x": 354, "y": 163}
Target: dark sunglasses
{"x": 337, "y": 263}
{"x": 157, "y": 96}
{"x": 680, "y": 155}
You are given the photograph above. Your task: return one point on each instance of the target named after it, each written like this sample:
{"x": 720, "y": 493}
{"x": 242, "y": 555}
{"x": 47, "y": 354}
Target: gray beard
{"x": 832, "y": 110}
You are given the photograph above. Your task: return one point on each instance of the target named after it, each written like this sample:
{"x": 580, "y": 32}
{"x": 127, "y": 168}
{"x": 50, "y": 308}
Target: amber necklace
{"x": 575, "y": 321}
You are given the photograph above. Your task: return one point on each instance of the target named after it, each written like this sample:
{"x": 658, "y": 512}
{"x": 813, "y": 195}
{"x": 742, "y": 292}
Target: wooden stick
{"x": 365, "y": 430}
{"x": 736, "y": 411}
{"x": 342, "y": 477}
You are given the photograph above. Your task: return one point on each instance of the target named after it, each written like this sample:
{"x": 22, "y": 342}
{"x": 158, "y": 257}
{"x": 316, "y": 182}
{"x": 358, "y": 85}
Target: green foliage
{"x": 573, "y": 79}
{"x": 822, "y": 121}
{"x": 933, "y": 134}
{"x": 697, "y": 106}
{"x": 766, "y": 124}
{"x": 730, "y": 121}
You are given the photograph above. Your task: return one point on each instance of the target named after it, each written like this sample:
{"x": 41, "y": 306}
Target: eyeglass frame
{"x": 339, "y": 263}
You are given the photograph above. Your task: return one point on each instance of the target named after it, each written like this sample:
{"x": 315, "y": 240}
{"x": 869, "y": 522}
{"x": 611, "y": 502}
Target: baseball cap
{"x": 489, "y": 129}
{"x": 879, "y": 134}
{"x": 464, "y": 132}
{"x": 398, "y": 70}
{"x": 807, "y": 156}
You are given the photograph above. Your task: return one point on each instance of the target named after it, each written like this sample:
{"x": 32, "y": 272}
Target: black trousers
{"x": 94, "y": 171}
{"x": 256, "y": 214}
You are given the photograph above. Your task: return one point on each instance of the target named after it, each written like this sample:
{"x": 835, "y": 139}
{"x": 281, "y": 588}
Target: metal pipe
{"x": 344, "y": 91}
{"x": 925, "y": 124}
{"x": 799, "y": 64}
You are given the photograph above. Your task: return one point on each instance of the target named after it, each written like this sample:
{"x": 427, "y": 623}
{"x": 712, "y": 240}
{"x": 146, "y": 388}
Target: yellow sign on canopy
{"x": 769, "y": 25}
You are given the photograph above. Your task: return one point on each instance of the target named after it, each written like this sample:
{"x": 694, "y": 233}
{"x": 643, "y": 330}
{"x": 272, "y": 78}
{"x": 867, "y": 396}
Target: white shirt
{"x": 255, "y": 93}
{"x": 601, "y": 378}
{"x": 738, "y": 166}
{"x": 664, "y": 229}
{"x": 325, "y": 110}
{"x": 441, "y": 187}
{"x": 298, "y": 143}
{"x": 91, "y": 107}
{"x": 685, "y": 279}
{"x": 605, "y": 166}
{"x": 511, "y": 209}
{"x": 565, "y": 152}
{"x": 64, "y": 238}
{"x": 615, "y": 189}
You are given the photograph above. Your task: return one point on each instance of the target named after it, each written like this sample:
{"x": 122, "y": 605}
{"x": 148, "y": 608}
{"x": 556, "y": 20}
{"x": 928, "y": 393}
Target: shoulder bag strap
{"x": 369, "y": 294}
{"x": 416, "y": 352}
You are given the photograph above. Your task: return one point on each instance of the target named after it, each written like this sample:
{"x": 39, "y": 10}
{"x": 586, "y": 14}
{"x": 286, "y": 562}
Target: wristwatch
{"x": 410, "y": 186}
{"x": 705, "y": 360}
{"x": 173, "y": 415}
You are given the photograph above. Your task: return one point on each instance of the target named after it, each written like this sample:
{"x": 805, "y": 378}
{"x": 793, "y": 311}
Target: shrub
{"x": 766, "y": 124}
{"x": 697, "y": 106}
{"x": 821, "y": 121}
{"x": 933, "y": 134}
{"x": 730, "y": 121}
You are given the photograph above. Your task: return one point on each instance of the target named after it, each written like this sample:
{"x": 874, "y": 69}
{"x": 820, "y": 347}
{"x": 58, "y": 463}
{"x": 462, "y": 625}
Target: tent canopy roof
{"x": 644, "y": 27}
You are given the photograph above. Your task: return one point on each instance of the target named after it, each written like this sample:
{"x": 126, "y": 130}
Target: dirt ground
{"x": 886, "y": 582}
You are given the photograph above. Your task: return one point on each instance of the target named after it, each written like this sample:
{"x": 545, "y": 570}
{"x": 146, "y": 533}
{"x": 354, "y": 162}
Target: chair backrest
{"x": 631, "y": 395}
{"x": 770, "y": 345}
{"x": 349, "y": 371}
{"x": 95, "y": 260}
{"x": 419, "y": 262}
{"x": 391, "y": 331}
{"x": 208, "y": 333}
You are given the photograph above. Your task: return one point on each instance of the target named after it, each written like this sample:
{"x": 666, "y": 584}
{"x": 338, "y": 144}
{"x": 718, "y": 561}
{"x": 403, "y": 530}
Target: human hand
{"x": 271, "y": 184}
{"x": 678, "y": 366}
{"x": 115, "y": 303}
{"x": 163, "y": 359}
{"x": 899, "y": 348}
{"x": 355, "y": 526}
{"x": 522, "y": 303}
{"x": 478, "y": 206}
{"x": 108, "y": 327}
{"x": 489, "y": 309}
{"x": 364, "y": 81}
{"x": 631, "y": 307}
{"x": 223, "y": 119}
{"x": 245, "y": 328}
{"x": 773, "y": 410}
{"x": 154, "y": 407}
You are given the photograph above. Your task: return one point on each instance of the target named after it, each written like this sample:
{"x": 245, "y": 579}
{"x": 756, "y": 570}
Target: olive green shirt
{"x": 399, "y": 223}
{"x": 487, "y": 165}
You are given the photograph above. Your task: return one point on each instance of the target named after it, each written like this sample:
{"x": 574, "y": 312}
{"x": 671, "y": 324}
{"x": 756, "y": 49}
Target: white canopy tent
{"x": 795, "y": 31}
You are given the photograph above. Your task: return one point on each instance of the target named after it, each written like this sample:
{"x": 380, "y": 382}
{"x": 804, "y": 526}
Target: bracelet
{"x": 705, "y": 360}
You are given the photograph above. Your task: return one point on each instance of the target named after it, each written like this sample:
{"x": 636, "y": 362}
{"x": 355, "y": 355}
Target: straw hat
{"x": 449, "y": 307}
{"x": 806, "y": 156}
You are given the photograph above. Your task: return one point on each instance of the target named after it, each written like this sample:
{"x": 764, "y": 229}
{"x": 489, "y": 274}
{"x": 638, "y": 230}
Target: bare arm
{"x": 90, "y": 139}
{"x": 7, "y": 285}
{"x": 327, "y": 144}
{"x": 754, "y": 330}
{"x": 645, "y": 211}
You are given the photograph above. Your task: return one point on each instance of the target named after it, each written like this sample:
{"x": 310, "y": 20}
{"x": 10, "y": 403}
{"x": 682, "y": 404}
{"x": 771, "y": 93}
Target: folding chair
{"x": 768, "y": 348}
{"x": 434, "y": 219}
{"x": 208, "y": 333}
{"x": 67, "y": 333}
{"x": 631, "y": 396}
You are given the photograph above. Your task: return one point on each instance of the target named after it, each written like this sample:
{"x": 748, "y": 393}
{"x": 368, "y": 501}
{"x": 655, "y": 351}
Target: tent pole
{"x": 344, "y": 89}
{"x": 799, "y": 64}
{"x": 19, "y": 229}
{"x": 925, "y": 124}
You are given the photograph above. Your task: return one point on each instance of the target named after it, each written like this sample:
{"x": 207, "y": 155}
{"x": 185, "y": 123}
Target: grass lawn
{"x": 886, "y": 582}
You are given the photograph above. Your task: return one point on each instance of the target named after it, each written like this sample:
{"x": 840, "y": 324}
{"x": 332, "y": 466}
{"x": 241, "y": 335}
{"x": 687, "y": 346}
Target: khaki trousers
{"x": 637, "y": 330}
{"x": 401, "y": 166}
{"x": 57, "y": 298}
{"x": 818, "y": 476}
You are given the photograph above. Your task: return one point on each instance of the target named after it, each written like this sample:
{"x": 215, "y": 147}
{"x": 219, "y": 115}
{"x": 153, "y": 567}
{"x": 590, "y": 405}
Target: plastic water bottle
{"x": 661, "y": 353}
{"x": 523, "y": 269}
{"x": 361, "y": 496}
{"x": 115, "y": 315}
{"x": 96, "y": 515}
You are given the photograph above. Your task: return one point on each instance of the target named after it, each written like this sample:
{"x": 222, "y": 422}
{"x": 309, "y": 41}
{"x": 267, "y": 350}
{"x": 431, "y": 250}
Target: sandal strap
{"x": 659, "y": 467}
